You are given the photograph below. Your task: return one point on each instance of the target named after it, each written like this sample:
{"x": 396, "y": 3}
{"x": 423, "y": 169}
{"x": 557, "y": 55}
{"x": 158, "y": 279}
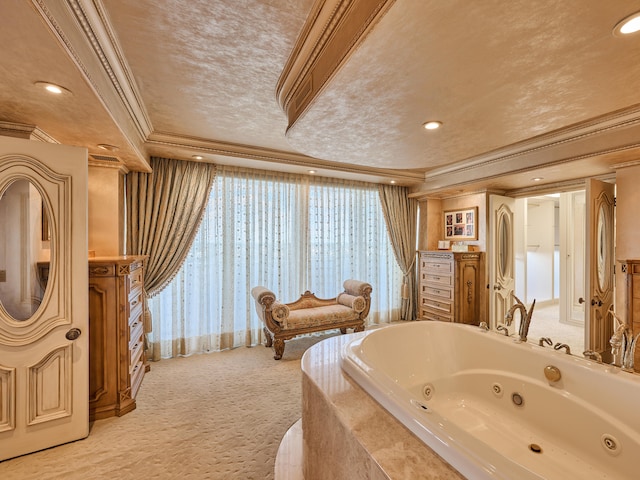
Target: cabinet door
{"x": 103, "y": 332}
{"x": 468, "y": 293}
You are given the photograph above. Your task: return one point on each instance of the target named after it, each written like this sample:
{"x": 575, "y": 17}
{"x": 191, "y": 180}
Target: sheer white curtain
{"x": 290, "y": 233}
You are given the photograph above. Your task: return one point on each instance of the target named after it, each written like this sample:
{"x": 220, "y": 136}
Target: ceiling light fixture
{"x": 312, "y": 172}
{"x": 537, "y": 179}
{"x": 52, "y": 88}
{"x": 628, "y": 25}
{"x": 432, "y": 125}
{"x": 197, "y": 157}
{"x": 392, "y": 182}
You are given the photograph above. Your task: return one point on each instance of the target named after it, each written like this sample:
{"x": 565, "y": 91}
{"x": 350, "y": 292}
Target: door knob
{"x": 73, "y": 334}
{"x": 581, "y": 300}
{"x": 497, "y": 287}
{"x": 595, "y": 302}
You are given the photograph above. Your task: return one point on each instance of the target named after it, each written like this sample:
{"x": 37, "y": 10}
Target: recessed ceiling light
{"x": 312, "y": 172}
{"x": 537, "y": 179}
{"x": 432, "y": 125}
{"x": 197, "y": 157}
{"x": 392, "y": 182}
{"x": 106, "y": 146}
{"x": 53, "y": 88}
{"x": 628, "y": 25}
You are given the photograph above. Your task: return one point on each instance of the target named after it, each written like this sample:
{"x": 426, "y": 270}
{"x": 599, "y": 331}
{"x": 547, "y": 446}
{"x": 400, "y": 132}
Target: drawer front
{"x": 136, "y": 300}
{"x": 136, "y": 330}
{"x": 437, "y": 267}
{"x": 137, "y": 374}
{"x": 429, "y": 315}
{"x": 136, "y": 354}
{"x": 436, "y": 306}
{"x": 438, "y": 293}
{"x": 102, "y": 270}
{"x": 445, "y": 280}
{"x": 136, "y": 279}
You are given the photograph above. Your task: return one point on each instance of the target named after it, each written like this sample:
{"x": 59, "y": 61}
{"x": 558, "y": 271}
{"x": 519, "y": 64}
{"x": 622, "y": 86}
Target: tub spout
{"x": 525, "y": 317}
{"x": 623, "y": 344}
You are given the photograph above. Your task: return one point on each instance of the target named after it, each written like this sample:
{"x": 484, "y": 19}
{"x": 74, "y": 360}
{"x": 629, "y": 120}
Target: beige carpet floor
{"x": 213, "y": 416}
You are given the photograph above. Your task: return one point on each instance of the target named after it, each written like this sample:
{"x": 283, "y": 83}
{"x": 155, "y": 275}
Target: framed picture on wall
{"x": 461, "y": 224}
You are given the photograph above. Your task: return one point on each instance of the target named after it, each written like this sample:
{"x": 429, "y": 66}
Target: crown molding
{"x": 84, "y": 32}
{"x": 210, "y": 147}
{"x": 333, "y": 29}
{"x": 613, "y": 134}
{"x": 107, "y": 161}
{"x": 28, "y": 132}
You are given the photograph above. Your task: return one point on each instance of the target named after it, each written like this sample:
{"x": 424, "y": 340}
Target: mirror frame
{"x": 55, "y": 190}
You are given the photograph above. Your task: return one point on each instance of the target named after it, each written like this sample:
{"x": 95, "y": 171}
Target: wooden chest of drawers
{"x": 116, "y": 329}
{"x": 449, "y": 288}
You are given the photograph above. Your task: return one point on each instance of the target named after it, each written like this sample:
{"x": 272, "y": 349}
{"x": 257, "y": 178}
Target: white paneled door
{"x": 502, "y": 259}
{"x": 44, "y": 361}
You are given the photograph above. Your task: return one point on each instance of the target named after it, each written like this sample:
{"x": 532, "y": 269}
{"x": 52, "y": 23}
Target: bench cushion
{"x": 318, "y": 316}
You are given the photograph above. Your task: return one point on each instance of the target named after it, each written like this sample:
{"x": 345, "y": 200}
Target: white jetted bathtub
{"x": 483, "y": 402}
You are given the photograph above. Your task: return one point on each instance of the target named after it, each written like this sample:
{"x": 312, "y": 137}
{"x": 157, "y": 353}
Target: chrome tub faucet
{"x": 525, "y": 317}
{"x": 623, "y": 344}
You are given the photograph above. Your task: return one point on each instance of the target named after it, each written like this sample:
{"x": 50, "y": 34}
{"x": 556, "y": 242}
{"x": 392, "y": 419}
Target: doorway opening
{"x": 549, "y": 248}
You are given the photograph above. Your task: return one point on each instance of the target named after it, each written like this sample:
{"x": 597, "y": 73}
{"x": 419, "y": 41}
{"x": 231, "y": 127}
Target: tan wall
{"x": 627, "y": 228}
{"x": 106, "y": 211}
{"x": 432, "y": 219}
{"x": 627, "y": 218}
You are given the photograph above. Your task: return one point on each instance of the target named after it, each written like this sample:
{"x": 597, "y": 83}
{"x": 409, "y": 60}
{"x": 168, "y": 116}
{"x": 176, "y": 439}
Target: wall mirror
{"x": 24, "y": 249}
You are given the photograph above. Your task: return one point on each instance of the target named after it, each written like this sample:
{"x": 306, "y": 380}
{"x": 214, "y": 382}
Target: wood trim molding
{"x": 332, "y": 31}
{"x": 611, "y": 134}
{"x": 28, "y": 132}
{"x": 210, "y": 147}
{"x": 84, "y": 32}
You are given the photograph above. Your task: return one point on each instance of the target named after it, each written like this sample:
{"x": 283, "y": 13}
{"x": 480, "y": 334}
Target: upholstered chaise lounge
{"x": 284, "y": 321}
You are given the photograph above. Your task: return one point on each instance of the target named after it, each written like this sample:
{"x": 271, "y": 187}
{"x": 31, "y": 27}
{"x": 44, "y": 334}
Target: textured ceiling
{"x": 209, "y": 69}
{"x": 523, "y": 88}
{"x": 494, "y": 72}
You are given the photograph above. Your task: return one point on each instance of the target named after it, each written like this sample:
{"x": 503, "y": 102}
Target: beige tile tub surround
{"x": 348, "y": 435}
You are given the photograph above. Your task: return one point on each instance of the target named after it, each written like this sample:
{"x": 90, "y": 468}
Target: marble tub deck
{"x": 345, "y": 434}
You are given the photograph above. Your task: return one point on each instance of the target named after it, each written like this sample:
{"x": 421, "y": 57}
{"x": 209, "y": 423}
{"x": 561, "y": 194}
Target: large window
{"x": 290, "y": 233}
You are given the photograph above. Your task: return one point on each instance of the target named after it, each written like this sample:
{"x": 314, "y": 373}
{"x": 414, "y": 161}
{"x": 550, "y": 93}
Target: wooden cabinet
{"x": 450, "y": 286}
{"x": 116, "y": 334}
{"x": 631, "y": 268}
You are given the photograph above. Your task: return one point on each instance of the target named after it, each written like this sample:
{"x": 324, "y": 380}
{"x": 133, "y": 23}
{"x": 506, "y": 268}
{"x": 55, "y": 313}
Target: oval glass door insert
{"x": 24, "y": 249}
